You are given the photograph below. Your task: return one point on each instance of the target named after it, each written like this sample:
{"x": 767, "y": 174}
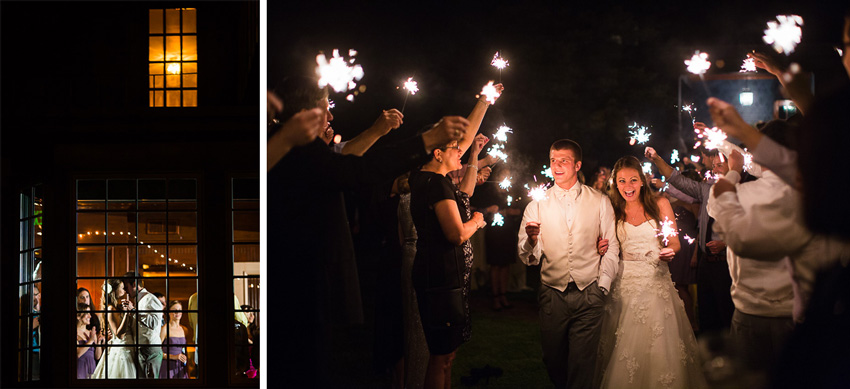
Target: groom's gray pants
{"x": 150, "y": 359}
{"x": 570, "y": 325}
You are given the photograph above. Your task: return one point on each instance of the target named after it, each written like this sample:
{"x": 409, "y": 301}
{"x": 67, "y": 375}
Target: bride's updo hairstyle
{"x": 646, "y": 198}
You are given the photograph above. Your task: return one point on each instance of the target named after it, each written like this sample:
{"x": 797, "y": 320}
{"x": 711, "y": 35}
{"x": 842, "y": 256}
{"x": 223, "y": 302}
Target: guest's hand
{"x": 327, "y": 135}
{"x": 483, "y": 175}
{"x": 651, "y": 154}
{"x": 532, "y": 229}
{"x": 449, "y": 128}
{"x": 499, "y": 88}
{"x": 478, "y": 218}
{"x": 723, "y": 186}
{"x": 601, "y": 245}
{"x": 716, "y": 246}
{"x": 303, "y": 127}
{"x": 666, "y": 254}
{"x": 389, "y": 120}
{"x": 763, "y": 61}
{"x": 736, "y": 161}
{"x": 182, "y": 358}
{"x": 727, "y": 118}
{"x": 477, "y": 145}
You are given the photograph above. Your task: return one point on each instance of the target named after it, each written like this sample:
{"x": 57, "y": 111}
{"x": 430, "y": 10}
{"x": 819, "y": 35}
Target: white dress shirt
{"x": 571, "y": 221}
{"x": 150, "y": 323}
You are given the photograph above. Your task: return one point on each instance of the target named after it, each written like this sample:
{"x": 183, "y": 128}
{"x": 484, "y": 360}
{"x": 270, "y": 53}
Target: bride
{"x": 119, "y": 361}
{"x": 647, "y": 340}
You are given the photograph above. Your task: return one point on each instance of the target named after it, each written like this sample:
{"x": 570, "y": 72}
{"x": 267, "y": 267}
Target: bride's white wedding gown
{"x": 117, "y": 361}
{"x": 647, "y": 340}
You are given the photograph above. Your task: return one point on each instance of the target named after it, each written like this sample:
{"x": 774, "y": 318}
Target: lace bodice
{"x": 638, "y": 243}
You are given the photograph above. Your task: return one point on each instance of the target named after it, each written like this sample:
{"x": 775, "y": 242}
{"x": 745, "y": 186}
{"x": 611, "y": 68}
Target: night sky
{"x": 582, "y": 72}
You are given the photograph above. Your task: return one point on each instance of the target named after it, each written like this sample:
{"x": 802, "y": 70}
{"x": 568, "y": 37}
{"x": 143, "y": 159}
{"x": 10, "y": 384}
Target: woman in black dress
{"x": 443, "y": 262}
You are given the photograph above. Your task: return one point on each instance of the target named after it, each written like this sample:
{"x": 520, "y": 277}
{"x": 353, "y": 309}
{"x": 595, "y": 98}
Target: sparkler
{"x": 490, "y": 93}
{"x": 412, "y": 87}
{"x": 498, "y": 220}
{"x": 501, "y": 134}
{"x": 698, "y": 64}
{"x": 506, "y": 183}
{"x": 498, "y": 151}
{"x": 674, "y": 156}
{"x": 337, "y": 73}
{"x": 510, "y": 200}
{"x": 695, "y": 158}
{"x": 538, "y": 193}
{"x": 499, "y": 63}
{"x": 714, "y": 137}
{"x": 547, "y": 171}
{"x": 647, "y": 167}
{"x": 667, "y": 230}
{"x": 709, "y": 175}
{"x": 689, "y": 239}
{"x": 748, "y": 66}
{"x": 784, "y": 33}
{"x": 639, "y": 134}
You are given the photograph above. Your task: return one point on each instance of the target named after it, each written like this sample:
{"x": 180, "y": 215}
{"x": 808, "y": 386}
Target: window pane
{"x": 155, "y": 49}
{"x": 190, "y": 48}
{"x": 190, "y": 67}
{"x": 246, "y": 226}
{"x": 180, "y": 290}
{"x": 156, "y": 68}
{"x": 187, "y": 227}
{"x": 23, "y": 269}
{"x": 37, "y": 231}
{"x": 172, "y": 98}
{"x": 184, "y": 261}
{"x": 172, "y": 48}
{"x": 151, "y": 96}
{"x": 91, "y": 194}
{"x": 120, "y": 260}
{"x": 152, "y": 260}
{"x": 153, "y": 227}
{"x": 189, "y": 15}
{"x": 190, "y": 81}
{"x": 172, "y": 81}
{"x": 26, "y": 206}
{"x": 121, "y": 190}
{"x": 159, "y": 98}
{"x": 159, "y": 82}
{"x": 150, "y": 85}
{"x": 91, "y": 261}
{"x": 37, "y": 265}
{"x": 91, "y": 227}
{"x": 155, "y": 18}
{"x": 150, "y": 190}
{"x": 25, "y": 241}
{"x": 246, "y": 253}
{"x": 172, "y": 21}
{"x": 190, "y": 98}
{"x": 95, "y": 292}
{"x": 247, "y": 289}
{"x": 122, "y": 227}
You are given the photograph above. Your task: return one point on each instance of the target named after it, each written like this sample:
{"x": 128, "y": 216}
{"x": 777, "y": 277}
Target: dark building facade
{"x": 129, "y": 139}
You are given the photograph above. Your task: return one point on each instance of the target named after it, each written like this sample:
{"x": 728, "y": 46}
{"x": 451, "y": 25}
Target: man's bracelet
{"x": 472, "y": 166}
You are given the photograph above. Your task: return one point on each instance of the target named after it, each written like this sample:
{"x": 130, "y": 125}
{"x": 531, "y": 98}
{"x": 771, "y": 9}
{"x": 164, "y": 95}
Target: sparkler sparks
{"x": 713, "y": 137}
{"x": 667, "y": 231}
{"x": 547, "y": 171}
{"x": 510, "y": 200}
{"x": 698, "y": 63}
{"x": 647, "y": 167}
{"x": 501, "y": 134}
{"x": 689, "y": 239}
{"x": 784, "y": 33}
{"x": 748, "y": 66}
{"x": 695, "y": 158}
{"x": 411, "y": 86}
{"x": 498, "y": 220}
{"x": 538, "y": 193}
{"x": 499, "y": 62}
{"x": 490, "y": 93}
{"x": 498, "y": 151}
{"x": 674, "y": 156}
{"x": 638, "y": 134}
{"x": 337, "y": 73}
{"x": 506, "y": 183}
{"x": 709, "y": 175}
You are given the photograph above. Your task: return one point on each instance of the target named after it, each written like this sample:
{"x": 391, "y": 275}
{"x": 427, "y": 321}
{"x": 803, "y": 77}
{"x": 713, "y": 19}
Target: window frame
{"x": 152, "y": 87}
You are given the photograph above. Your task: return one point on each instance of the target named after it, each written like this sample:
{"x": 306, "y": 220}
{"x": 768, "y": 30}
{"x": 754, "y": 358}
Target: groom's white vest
{"x": 570, "y": 250}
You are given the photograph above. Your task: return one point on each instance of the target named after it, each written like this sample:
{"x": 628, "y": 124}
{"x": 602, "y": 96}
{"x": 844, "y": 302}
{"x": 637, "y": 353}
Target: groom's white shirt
{"x": 570, "y": 223}
{"x": 150, "y": 323}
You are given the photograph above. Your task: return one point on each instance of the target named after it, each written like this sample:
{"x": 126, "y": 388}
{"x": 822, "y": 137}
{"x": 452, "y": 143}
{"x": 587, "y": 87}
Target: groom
{"x": 150, "y": 323}
{"x": 561, "y": 232}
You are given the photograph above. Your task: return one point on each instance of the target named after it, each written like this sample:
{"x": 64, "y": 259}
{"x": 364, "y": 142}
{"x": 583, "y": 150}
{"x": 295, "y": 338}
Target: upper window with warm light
{"x": 173, "y": 58}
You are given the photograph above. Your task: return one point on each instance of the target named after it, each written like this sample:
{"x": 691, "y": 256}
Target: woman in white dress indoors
{"x": 118, "y": 362}
{"x": 647, "y": 340}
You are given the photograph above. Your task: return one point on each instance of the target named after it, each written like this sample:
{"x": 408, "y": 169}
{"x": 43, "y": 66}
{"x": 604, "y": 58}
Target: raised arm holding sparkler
{"x": 467, "y": 184}
{"x": 476, "y": 117}
{"x": 795, "y": 81}
{"x": 388, "y": 120}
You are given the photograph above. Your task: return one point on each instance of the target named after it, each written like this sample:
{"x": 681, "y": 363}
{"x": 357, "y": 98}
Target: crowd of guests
{"x": 767, "y": 250}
